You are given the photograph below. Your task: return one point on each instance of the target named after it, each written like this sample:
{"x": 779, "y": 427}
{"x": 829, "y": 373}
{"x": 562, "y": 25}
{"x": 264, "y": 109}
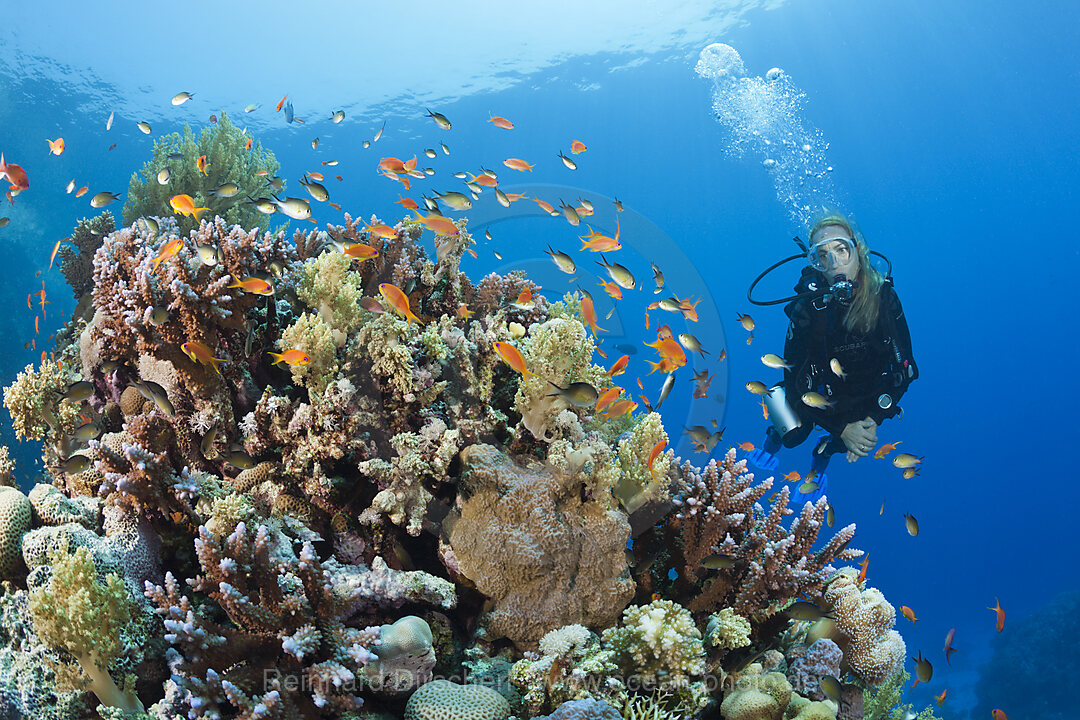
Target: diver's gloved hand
{"x": 860, "y": 437}
{"x": 763, "y": 460}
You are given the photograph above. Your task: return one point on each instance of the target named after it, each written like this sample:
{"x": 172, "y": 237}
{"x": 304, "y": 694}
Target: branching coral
{"x": 571, "y": 665}
{"x": 313, "y": 336}
{"x": 229, "y": 161}
{"x": 546, "y": 556}
{"x": 334, "y": 291}
{"x": 659, "y": 643}
{"x": 769, "y": 564}
{"x": 37, "y": 413}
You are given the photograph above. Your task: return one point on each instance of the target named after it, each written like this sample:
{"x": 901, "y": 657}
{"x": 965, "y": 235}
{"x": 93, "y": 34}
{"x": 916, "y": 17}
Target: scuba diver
{"x": 847, "y": 355}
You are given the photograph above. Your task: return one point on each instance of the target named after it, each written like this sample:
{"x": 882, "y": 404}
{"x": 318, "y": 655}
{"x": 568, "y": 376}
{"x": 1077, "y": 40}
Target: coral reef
{"x": 228, "y": 161}
{"x": 76, "y": 257}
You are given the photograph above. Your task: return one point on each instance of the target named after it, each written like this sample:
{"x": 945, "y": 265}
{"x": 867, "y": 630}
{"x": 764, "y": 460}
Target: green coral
{"x": 315, "y": 337}
{"x": 637, "y": 485}
{"x": 334, "y": 291}
{"x": 86, "y": 620}
{"x": 229, "y": 161}
{"x": 658, "y": 642}
{"x": 381, "y": 339}
{"x": 884, "y": 702}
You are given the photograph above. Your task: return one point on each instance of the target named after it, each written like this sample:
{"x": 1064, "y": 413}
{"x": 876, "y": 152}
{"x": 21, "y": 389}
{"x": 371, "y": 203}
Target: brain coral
{"x": 445, "y": 700}
{"x": 872, "y": 648}
{"x": 15, "y": 514}
{"x": 546, "y": 556}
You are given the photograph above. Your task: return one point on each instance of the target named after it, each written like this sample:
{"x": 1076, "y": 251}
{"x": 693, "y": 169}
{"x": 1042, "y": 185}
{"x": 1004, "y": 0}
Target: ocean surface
{"x": 947, "y": 131}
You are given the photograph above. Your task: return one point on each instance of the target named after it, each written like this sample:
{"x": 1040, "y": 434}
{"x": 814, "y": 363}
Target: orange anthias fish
{"x": 1000, "y": 614}
{"x": 82, "y": 191}
{"x": 865, "y": 564}
{"x": 619, "y": 408}
{"x": 949, "y": 649}
{"x": 656, "y": 450}
{"x": 253, "y": 285}
{"x": 513, "y": 357}
{"x": 546, "y": 206}
{"x": 484, "y": 180}
{"x": 56, "y": 146}
{"x": 746, "y": 446}
{"x": 517, "y": 164}
{"x": 999, "y": 714}
{"x": 202, "y": 165}
{"x": 199, "y": 353}
{"x": 407, "y": 203}
{"x": 399, "y": 301}
{"x": 247, "y": 145}
{"x": 170, "y": 250}
{"x": 793, "y": 476}
{"x": 665, "y": 365}
{"x": 597, "y": 242}
{"x": 886, "y": 449}
{"x": 940, "y": 699}
{"x": 612, "y": 289}
{"x": 689, "y": 310}
{"x": 464, "y": 312}
{"x": 607, "y": 397}
{"x": 909, "y": 614}
{"x": 15, "y": 175}
{"x": 501, "y": 122}
{"x": 293, "y": 357}
{"x": 619, "y": 367}
{"x": 360, "y": 251}
{"x": 280, "y": 104}
{"x": 764, "y": 409}
{"x": 577, "y": 147}
{"x": 439, "y": 224}
{"x": 588, "y": 314}
{"x": 381, "y": 230}
{"x": 315, "y": 176}
{"x": 184, "y": 205}
{"x": 669, "y": 349}
{"x": 56, "y": 248}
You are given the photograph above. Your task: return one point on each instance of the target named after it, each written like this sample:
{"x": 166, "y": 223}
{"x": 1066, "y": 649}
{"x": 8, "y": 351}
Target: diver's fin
{"x": 763, "y": 460}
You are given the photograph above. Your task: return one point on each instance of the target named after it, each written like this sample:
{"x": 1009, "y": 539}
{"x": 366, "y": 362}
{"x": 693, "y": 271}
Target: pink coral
{"x": 821, "y": 658}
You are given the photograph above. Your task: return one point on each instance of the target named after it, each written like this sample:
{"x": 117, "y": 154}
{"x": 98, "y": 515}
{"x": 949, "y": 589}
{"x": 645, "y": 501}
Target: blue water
{"x": 950, "y": 128}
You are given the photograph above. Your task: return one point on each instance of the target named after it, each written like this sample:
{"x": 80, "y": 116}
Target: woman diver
{"x": 847, "y": 355}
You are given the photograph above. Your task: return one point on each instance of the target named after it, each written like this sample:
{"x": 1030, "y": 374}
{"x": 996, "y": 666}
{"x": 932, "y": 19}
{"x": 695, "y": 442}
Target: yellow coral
{"x": 727, "y": 629}
{"x": 636, "y": 485}
{"x": 381, "y": 339}
{"x": 558, "y": 351}
{"x": 328, "y": 285}
{"x": 32, "y": 401}
{"x": 315, "y": 337}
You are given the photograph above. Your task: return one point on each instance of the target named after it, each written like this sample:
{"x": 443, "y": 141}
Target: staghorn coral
{"x": 719, "y": 513}
{"x": 76, "y": 259}
{"x": 283, "y": 616}
{"x": 864, "y": 622}
{"x": 528, "y": 540}
{"x": 229, "y": 161}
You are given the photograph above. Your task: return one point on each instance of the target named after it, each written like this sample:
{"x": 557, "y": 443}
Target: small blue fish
{"x": 672, "y": 574}
{"x": 288, "y": 112}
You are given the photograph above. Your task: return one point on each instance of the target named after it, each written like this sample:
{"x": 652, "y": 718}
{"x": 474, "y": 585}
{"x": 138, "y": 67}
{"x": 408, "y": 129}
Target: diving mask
{"x": 830, "y": 254}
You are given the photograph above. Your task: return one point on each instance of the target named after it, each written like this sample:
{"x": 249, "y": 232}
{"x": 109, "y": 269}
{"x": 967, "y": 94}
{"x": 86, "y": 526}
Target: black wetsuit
{"x": 876, "y": 363}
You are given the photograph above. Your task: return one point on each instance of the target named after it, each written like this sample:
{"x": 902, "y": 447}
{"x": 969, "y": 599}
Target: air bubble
{"x": 774, "y": 74}
{"x": 768, "y": 163}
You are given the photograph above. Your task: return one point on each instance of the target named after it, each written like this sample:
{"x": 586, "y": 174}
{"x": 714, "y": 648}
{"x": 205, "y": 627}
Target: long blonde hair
{"x": 862, "y": 315}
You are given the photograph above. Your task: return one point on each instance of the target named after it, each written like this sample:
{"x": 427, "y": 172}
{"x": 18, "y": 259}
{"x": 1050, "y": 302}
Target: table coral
{"x": 546, "y": 556}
